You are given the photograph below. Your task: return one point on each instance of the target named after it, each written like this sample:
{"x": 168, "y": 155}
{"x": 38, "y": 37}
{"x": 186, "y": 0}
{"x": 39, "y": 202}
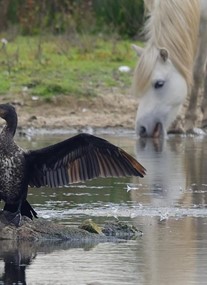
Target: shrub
{"x": 124, "y": 17}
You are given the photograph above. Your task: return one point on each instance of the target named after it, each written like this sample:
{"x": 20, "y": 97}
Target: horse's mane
{"x": 149, "y": 5}
{"x": 173, "y": 25}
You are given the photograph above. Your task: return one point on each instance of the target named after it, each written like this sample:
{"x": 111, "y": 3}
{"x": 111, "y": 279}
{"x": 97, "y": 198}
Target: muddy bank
{"x": 108, "y": 110}
{"x": 112, "y": 109}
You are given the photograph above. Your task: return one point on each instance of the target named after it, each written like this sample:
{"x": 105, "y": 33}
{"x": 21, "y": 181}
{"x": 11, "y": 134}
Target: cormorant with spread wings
{"x": 76, "y": 159}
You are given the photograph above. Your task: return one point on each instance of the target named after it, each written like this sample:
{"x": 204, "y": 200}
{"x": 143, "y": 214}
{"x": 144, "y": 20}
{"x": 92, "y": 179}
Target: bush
{"x": 65, "y": 16}
{"x": 125, "y": 17}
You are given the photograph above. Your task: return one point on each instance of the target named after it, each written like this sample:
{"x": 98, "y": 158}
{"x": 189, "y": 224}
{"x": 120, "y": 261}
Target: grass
{"x": 49, "y": 66}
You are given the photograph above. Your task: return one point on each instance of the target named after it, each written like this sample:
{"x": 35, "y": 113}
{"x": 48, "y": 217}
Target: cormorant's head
{"x": 7, "y": 111}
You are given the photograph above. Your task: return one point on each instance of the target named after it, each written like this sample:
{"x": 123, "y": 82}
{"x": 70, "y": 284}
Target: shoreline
{"x": 30, "y": 132}
{"x": 68, "y": 114}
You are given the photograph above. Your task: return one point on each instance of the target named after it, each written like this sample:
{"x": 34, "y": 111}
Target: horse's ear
{"x": 137, "y": 49}
{"x": 164, "y": 54}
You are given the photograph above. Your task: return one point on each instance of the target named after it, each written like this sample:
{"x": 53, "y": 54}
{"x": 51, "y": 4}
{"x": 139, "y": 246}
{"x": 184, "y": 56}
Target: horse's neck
{"x": 203, "y": 9}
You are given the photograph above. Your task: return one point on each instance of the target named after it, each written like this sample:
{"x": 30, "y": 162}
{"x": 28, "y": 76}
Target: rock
{"x": 41, "y": 229}
{"x": 120, "y": 229}
{"x": 90, "y": 226}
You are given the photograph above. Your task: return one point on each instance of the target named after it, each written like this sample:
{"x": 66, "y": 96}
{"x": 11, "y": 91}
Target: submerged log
{"x": 41, "y": 229}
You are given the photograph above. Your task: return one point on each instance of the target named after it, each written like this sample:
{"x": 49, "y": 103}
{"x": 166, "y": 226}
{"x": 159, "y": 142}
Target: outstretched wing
{"x": 79, "y": 158}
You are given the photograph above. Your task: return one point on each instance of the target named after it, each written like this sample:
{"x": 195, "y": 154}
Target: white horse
{"x": 169, "y": 67}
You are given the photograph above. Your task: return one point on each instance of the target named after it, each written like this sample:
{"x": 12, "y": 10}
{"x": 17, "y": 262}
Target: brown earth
{"x": 108, "y": 109}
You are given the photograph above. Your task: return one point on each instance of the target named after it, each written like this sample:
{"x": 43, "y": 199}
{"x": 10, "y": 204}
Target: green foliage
{"x": 36, "y": 16}
{"x": 33, "y": 17}
{"x": 50, "y": 66}
{"x": 125, "y": 17}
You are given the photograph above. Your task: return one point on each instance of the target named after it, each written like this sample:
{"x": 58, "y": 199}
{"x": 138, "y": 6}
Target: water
{"x": 169, "y": 206}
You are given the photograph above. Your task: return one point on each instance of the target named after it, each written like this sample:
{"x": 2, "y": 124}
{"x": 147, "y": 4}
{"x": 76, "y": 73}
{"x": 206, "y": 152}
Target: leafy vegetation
{"x": 66, "y": 16}
{"x": 50, "y": 47}
{"x": 124, "y": 17}
{"x": 48, "y": 66}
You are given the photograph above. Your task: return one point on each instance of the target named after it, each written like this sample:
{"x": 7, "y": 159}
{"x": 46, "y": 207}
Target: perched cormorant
{"x": 73, "y": 160}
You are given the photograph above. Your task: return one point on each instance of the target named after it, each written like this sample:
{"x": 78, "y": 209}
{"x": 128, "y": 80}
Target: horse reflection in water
{"x": 176, "y": 179}
{"x": 164, "y": 74}
{"x": 164, "y": 163}
{"x": 176, "y": 170}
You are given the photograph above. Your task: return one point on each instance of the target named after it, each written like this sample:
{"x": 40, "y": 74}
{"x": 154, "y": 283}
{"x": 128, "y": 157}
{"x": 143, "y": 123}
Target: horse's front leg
{"x": 204, "y": 51}
{"x": 192, "y": 113}
{"x": 204, "y": 102}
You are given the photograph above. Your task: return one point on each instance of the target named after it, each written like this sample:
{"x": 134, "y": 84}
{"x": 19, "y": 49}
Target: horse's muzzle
{"x": 158, "y": 131}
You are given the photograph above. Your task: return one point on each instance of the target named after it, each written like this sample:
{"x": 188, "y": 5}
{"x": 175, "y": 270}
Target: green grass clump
{"x": 50, "y": 66}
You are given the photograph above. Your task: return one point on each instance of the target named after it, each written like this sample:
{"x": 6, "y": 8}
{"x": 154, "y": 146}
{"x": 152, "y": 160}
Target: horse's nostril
{"x": 142, "y": 131}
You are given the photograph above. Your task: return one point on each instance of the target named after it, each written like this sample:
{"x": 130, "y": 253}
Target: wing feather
{"x": 55, "y": 178}
{"x": 79, "y": 158}
{"x": 102, "y": 165}
{"x": 60, "y": 180}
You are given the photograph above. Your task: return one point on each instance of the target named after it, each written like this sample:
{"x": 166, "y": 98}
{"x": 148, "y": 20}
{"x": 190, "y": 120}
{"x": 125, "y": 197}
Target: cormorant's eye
{"x": 159, "y": 84}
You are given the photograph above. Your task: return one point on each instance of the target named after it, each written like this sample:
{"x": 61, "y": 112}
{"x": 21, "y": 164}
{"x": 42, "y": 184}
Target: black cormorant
{"x": 73, "y": 160}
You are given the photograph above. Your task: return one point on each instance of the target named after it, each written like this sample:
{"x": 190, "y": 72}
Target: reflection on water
{"x": 169, "y": 205}
{"x": 176, "y": 172}
{"x": 175, "y": 243}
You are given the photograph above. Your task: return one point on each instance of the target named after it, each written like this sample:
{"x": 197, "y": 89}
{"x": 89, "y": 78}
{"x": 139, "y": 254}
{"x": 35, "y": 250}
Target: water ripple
{"x": 124, "y": 211}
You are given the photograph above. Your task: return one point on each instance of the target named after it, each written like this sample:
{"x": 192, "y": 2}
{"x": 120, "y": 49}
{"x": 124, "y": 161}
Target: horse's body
{"x": 169, "y": 67}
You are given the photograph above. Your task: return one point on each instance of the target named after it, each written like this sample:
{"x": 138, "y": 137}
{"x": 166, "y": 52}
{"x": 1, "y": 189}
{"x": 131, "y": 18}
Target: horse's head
{"x": 163, "y": 76}
{"x": 161, "y": 89}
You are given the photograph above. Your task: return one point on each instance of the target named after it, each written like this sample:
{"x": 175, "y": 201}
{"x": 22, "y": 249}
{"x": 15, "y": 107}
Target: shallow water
{"x": 169, "y": 205}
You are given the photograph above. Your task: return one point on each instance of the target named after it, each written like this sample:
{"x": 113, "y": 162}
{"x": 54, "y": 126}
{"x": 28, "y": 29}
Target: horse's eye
{"x": 159, "y": 84}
